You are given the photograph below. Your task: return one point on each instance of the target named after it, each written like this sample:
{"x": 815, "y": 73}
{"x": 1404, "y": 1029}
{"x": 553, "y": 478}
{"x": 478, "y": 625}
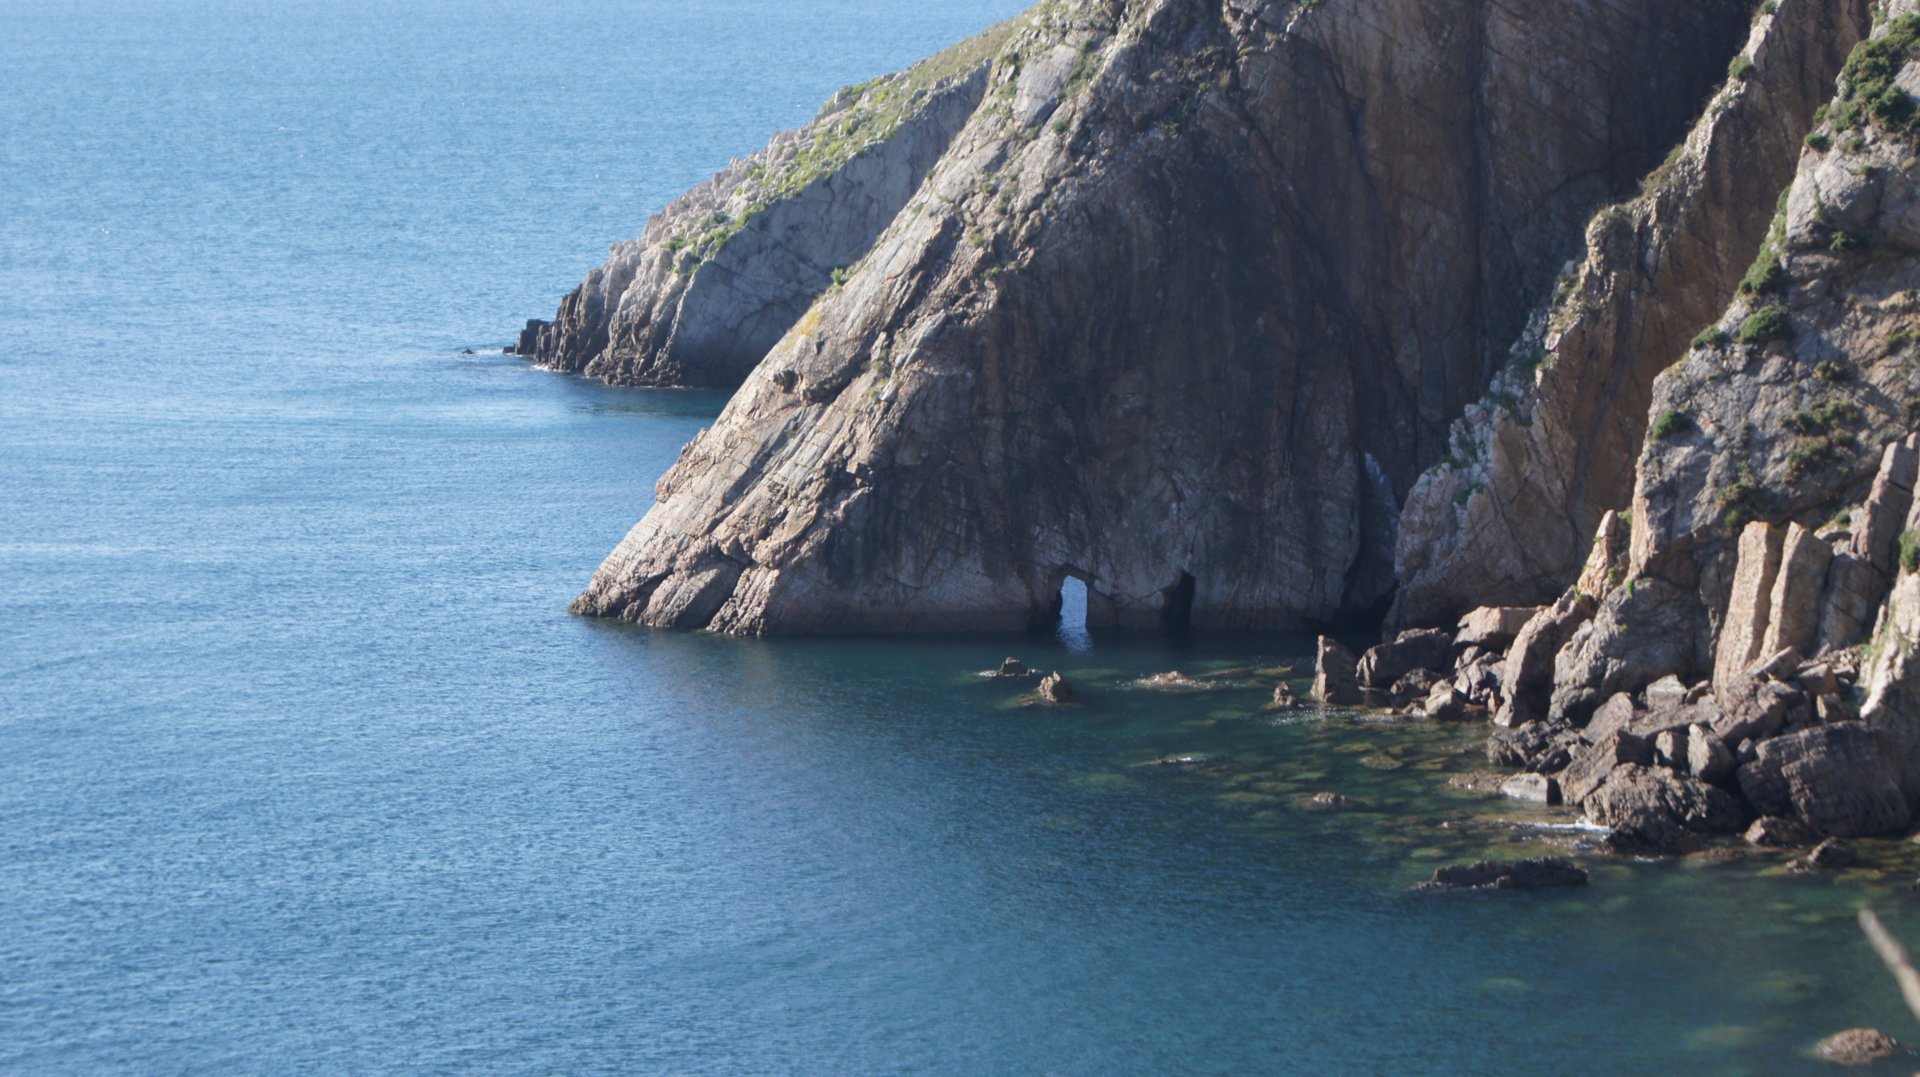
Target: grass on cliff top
{"x": 873, "y": 110}
{"x": 857, "y": 116}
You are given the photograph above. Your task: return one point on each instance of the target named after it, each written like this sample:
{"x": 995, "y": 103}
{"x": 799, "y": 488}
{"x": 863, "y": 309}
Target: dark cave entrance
{"x": 1176, "y": 613}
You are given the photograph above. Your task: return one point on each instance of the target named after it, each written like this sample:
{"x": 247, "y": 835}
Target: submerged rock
{"x": 1775, "y": 831}
{"x": 1858, "y": 1047}
{"x": 1833, "y": 854}
{"x": 1650, "y": 833}
{"x": 1174, "y": 680}
{"x": 1536, "y": 788}
{"x": 1055, "y": 688}
{"x": 1535, "y": 874}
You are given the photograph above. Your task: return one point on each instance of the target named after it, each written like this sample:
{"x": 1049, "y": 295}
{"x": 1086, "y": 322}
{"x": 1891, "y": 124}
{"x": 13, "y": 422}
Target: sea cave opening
{"x": 1071, "y": 626}
{"x": 1176, "y": 613}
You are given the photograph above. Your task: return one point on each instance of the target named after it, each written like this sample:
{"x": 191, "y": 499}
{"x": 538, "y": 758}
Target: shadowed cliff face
{"x": 1182, "y": 311}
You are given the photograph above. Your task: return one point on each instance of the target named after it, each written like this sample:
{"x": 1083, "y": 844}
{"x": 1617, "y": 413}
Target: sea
{"x": 305, "y": 769}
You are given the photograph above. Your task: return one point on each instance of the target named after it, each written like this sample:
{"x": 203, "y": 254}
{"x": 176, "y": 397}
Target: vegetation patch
{"x": 1768, "y": 323}
{"x": 1711, "y": 337}
{"x": 1910, "y": 550}
{"x": 1667, "y": 424}
{"x": 1816, "y": 454}
{"x": 1867, "y": 87}
{"x": 1832, "y": 416}
{"x": 1826, "y": 436}
{"x": 1738, "y": 499}
{"x": 1766, "y": 274}
{"x": 1845, "y": 241}
{"x": 855, "y": 118}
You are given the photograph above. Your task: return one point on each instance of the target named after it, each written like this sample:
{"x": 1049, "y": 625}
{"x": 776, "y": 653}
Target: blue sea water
{"x": 304, "y": 768}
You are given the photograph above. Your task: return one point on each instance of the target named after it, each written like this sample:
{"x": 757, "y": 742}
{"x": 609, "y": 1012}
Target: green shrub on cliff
{"x": 1867, "y": 81}
{"x": 1667, "y": 424}
{"x": 1765, "y": 275}
{"x": 1910, "y": 550}
{"x": 1768, "y": 323}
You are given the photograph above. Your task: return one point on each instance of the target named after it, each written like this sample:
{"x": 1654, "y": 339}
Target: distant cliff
{"x": 727, "y": 268}
{"x": 1183, "y": 310}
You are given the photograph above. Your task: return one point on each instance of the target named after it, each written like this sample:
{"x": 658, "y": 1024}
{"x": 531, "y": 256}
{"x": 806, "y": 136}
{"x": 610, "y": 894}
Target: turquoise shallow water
{"x": 304, "y": 769}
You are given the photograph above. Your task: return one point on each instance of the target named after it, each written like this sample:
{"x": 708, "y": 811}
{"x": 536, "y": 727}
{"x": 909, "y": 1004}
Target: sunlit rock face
{"x": 1182, "y": 311}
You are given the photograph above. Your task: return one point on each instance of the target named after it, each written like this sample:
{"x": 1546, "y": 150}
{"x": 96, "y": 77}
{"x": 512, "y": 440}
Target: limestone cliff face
{"x": 1508, "y": 516}
{"x": 1184, "y": 309}
{"x": 727, "y": 268}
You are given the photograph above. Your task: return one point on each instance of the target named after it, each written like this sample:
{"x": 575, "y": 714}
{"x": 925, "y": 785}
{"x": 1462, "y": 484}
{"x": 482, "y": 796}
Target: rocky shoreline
{"x": 1796, "y": 735}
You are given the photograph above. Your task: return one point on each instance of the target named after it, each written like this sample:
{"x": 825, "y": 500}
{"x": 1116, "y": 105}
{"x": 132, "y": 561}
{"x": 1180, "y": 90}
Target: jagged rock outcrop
{"x": 1891, "y": 680}
{"x": 1532, "y": 467}
{"x": 1839, "y": 779}
{"x": 1334, "y": 680}
{"x": 1633, "y": 792}
{"x": 1183, "y": 312}
{"x": 723, "y": 271}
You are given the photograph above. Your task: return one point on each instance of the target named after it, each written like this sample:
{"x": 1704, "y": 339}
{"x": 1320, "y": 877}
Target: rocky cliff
{"x": 723, "y": 271}
{"x": 1741, "y": 643}
{"x": 1184, "y": 310}
{"x": 1506, "y": 517}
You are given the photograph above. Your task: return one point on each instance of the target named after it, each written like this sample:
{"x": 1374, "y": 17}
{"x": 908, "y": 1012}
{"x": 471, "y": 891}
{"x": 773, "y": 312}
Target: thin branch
{"x": 1895, "y": 956}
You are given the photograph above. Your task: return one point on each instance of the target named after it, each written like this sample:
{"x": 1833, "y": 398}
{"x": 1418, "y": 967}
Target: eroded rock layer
{"x": 1183, "y": 311}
